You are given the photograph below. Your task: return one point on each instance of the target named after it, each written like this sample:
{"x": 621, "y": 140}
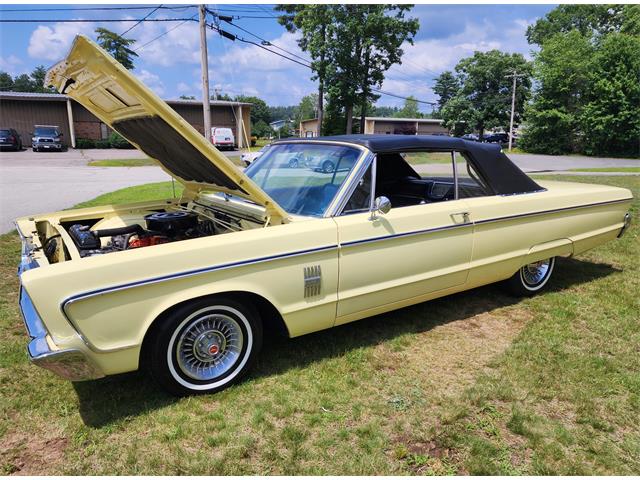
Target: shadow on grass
{"x": 112, "y": 399}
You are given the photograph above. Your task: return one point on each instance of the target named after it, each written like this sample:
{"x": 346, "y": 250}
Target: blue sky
{"x": 170, "y": 65}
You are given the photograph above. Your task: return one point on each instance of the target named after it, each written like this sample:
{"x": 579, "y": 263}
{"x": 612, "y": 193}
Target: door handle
{"x": 465, "y": 215}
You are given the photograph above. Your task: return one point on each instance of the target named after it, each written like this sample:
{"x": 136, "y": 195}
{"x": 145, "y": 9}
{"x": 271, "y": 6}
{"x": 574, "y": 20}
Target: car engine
{"x": 161, "y": 227}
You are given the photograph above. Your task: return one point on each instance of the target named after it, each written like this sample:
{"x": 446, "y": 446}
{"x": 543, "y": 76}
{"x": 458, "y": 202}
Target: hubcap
{"x": 534, "y": 273}
{"x": 209, "y": 346}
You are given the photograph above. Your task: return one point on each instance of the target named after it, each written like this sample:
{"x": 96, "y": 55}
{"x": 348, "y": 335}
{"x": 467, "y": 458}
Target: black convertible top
{"x": 502, "y": 175}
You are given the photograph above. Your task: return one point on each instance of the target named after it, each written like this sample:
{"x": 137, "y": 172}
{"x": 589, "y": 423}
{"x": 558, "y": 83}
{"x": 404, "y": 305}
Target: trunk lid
{"x": 99, "y": 83}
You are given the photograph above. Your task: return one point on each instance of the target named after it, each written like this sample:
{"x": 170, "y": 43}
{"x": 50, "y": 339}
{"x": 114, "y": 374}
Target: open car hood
{"x": 99, "y": 83}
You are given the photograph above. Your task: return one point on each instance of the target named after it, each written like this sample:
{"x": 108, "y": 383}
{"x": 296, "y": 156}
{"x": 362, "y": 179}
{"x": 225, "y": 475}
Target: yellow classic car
{"x": 185, "y": 287}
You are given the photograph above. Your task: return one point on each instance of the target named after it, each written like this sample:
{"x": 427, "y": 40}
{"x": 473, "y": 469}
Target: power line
{"x": 266, "y": 43}
{"x": 136, "y": 24}
{"x": 90, "y": 9}
{"x": 82, "y": 20}
{"x": 163, "y": 34}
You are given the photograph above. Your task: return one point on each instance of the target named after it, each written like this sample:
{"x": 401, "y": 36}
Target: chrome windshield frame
{"x": 348, "y": 184}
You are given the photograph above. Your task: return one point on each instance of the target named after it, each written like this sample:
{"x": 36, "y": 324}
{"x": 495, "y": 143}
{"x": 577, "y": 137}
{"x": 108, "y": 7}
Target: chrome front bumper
{"x": 71, "y": 364}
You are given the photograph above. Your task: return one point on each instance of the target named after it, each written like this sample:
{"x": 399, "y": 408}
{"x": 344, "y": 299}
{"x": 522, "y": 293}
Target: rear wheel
{"x": 293, "y": 163}
{"x": 204, "y": 346}
{"x": 531, "y": 278}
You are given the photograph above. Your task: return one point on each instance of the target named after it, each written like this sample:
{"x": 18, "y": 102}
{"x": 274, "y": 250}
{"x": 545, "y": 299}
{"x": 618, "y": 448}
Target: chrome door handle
{"x": 465, "y": 215}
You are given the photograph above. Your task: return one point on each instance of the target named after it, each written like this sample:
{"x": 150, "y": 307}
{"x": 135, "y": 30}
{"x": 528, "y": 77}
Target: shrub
{"x": 118, "y": 141}
{"x": 102, "y": 144}
{"x": 85, "y": 143}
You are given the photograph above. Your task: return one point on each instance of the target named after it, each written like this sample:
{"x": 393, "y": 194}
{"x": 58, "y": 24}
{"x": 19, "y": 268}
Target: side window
{"x": 415, "y": 178}
{"x": 469, "y": 183}
{"x": 361, "y": 197}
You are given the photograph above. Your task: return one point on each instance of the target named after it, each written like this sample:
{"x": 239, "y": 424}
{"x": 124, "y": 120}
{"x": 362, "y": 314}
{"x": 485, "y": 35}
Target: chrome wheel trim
{"x": 535, "y": 275}
{"x": 232, "y": 369}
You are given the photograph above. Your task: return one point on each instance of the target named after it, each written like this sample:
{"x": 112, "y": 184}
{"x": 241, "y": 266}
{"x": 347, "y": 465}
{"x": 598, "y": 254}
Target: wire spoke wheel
{"x": 534, "y": 273}
{"x": 209, "y": 346}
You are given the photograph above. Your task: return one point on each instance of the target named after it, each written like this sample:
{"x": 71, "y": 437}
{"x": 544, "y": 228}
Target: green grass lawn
{"x": 123, "y": 162}
{"x": 608, "y": 169}
{"x": 477, "y": 383}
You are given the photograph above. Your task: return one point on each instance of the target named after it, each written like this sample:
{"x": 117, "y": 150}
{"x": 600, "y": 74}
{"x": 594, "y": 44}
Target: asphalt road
{"x": 32, "y": 183}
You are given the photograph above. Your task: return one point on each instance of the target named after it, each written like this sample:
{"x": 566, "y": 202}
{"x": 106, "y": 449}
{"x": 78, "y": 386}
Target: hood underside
{"x": 99, "y": 83}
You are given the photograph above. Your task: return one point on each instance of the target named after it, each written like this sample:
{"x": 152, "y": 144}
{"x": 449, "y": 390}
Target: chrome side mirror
{"x": 381, "y": 205}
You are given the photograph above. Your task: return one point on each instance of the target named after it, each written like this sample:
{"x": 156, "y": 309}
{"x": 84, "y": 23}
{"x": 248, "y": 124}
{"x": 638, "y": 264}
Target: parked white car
{"x": 223, "y": 138}
{"x": 249, "y": 157}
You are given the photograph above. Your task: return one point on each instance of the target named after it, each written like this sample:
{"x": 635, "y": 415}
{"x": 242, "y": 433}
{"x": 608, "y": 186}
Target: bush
{"x": 85, "y": 143}
{"x": 118, "y": 141}
{"x": 102, "y": 144}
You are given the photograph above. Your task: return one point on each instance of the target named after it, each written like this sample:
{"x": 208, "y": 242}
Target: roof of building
{"x": 504, "y": 177}
{"x": 58, "y": 97}
{"x": 394, "y": 119}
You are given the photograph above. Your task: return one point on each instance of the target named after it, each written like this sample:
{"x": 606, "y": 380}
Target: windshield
{"x": 4, "y": 132}
{"x": 303, "y": 178}
{"x": 46, "y": 131}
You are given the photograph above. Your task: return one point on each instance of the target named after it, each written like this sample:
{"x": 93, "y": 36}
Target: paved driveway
{"x": 42, "y": 182}
{"x": 537, "y": 163}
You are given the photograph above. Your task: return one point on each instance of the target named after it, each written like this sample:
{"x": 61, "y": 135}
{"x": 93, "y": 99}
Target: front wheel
{"x": 531, "y": 278}
{"x": 204, "y": 346}
{"x": 327, "y": 166}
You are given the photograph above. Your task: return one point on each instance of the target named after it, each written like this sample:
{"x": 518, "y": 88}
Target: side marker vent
{"x": 312, "y": 281}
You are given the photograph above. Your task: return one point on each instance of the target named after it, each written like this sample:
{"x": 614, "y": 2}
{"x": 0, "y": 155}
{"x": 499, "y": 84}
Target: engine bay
{"x": 160, "y": 227}
{"x": 133, "y": 229}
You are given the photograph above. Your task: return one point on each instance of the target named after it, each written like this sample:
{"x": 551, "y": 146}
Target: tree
{"x": 446, "y": 87}
{"x": 562, "y": 69}
{"x": 187, "y": 97}
{"x": 313, "y": 23}
{"x": 261, "y": 129}
{"x": 366, "y": 41}
{"x": 6, "y": 82}
{"x": 588, "y": 20}
{"x": 485, "y": 90}
{"x": 610, "y": 119}
{"x": 117, "y": 46}
{"x": 38, "y": 77}
{"x": 259, "y": 108}
{"x": 23, "y": 83}
{"x": 410, "y": 109}
{"x": 307, "y": 107}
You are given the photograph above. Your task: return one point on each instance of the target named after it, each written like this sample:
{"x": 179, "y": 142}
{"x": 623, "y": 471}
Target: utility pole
{"x": 515, "y": 76}
{"x": 206, "y": 106}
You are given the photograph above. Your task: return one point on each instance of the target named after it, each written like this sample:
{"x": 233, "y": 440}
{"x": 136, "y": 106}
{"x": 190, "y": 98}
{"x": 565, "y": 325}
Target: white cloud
{"x": 53, "y": 43}
{"x": 152, "y": 81}
{"x": 183, "y": 88}
{"x": 12, "y": 65}
{"x": 178, "y": 43}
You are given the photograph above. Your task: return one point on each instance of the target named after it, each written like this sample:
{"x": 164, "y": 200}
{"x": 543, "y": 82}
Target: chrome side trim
{"x": 406, "y": 234}
{"x": 150, "y": 281}
{"x": 555, "y": 210}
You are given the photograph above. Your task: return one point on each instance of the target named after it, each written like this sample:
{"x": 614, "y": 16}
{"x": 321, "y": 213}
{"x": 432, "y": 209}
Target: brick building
{"x": 22, "y": 111}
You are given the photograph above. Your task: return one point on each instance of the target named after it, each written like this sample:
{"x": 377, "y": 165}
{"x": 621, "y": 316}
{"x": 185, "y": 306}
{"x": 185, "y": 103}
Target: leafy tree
{"x": 6, "y": 82}
{"x": 610, "y": 119}
{"x": 187, "y": 97}
{"x": 261, "y": 129}
{"x": 259, "y": 108}
{"x": 38, "y": 75}
{"x": 23, "y": 83}
{"x": 313, "y": 22}
{"x": 307, "y": 107}
{"x": 366, "y": 41}
{"x": 409, "y": 110}
{"x": 485, "y": 91}
{"x": 383, "y": 111}
{"x": 117, "y": 46}
{"x": 446, "y": 87}
{"x": 562, "y": 71}
{"x": 588, "y": 20}
{"x": 285, "y": 131}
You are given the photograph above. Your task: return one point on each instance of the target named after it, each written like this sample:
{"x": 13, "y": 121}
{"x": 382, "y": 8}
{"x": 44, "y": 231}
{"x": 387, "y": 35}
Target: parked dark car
{"x": 10, "y": 139}
{"x": 471, "y": 136}
{"x": 496, "y": 138}
{"x": 46, "y": 137}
